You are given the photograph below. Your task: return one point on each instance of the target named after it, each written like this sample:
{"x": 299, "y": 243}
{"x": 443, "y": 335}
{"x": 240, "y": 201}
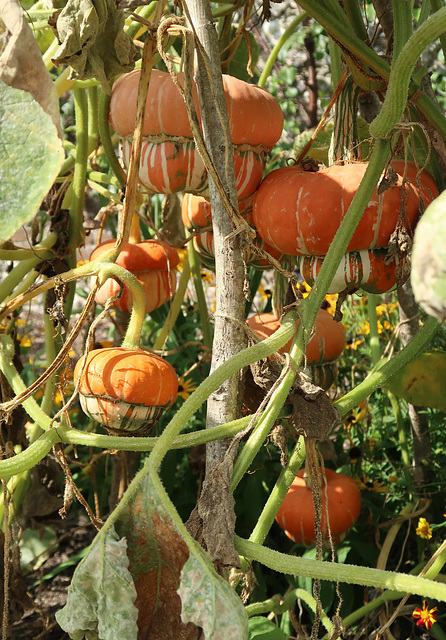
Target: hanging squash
{"x": 169, "y": 160}
{"x": 196, "y": 214}
{"x": 152, "y": 262}
{"x": 299, "y": 212}
{"x": 341, "y": 498}
{"x": 322, "y": 350}
{"x": 125, "y": 390}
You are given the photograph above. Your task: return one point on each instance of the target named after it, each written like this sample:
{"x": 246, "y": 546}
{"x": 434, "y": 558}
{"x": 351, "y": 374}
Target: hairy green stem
{"x": 76, "y": 232}
{"x": 106, "y": 139}
{"x": 132, "y": 338}
{"x": 215, "y": 380}
{"x": 195, "y": 267}
{"x": 278, "y": 493}
{"x": 436, "y": 6}
{"x": 42, "y": 445}
{"x": 289, "y": 31}
{"x": 175, "y": 307}
{"x": 402, "y": 25}
{"x": 373, "y": 325}
{"x": 399, "y": 81}
{"x": 278, "y": 606}
{"x": 29, "y": 261}
{"x": 334, "y": 572}
{"x": 387, "y": 368}
{"x": 93, "y": 131}
{"x": 18, "y": 386}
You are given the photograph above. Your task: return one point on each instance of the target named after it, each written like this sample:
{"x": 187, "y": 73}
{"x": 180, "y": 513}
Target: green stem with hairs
{"x": 8, "y": 369}
{"x": 175, "y": 307}
{"x": 215, "y": 380}
{"x": 289, "y": 31}
{"x": 195, "y": 267}
{"x": 28, "y": 263}
{"x": 132, "y": 338}
{"x": 402, "y": 25}
{"x": 436, "y": 6}
{"x": 334, "y": 572}
{"x": 42, "y": 445}
{"x": 93, "y": 131}
{"x": 278, "y": 606}
{"x": 373, "y": 325}
{"x": 106, "y": 139}
{"x": 387, "y": 368}
{"x": 278, "y": 493}
{"x": 399, "y": 81}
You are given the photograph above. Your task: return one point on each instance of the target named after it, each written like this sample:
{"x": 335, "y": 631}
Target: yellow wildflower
{"x": 424, "y": 530}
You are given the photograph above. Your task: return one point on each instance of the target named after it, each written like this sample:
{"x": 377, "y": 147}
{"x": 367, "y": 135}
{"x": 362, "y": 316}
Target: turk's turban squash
{"x": 169, "y": 160}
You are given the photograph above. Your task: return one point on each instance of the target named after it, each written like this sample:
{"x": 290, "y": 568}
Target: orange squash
{"x": 296, "y": 515}
{"x": 322, "y": 350}
{"x": 126, "y": 389}
{"x": 169, "y": 159}
{"x": 372, "y": 271}
{"x": 196, "y": 214}
{"x": 152, "y": 262}
{"x": 325, "y": 345}
{"x": 299, "y": 211}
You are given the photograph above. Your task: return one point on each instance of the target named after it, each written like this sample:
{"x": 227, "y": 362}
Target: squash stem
{"x": 175, "y": 307}
{"x": 289, "y": 31}
{"x": 399, "y": 81}
{"x": 278, "y": 493}
{"x": 132, "y": 338}
{"x": 385, "y": 369}
{"x": 195, "y": 267}
{"x": 106, "y": 139}
{"x": 351, "y": 574}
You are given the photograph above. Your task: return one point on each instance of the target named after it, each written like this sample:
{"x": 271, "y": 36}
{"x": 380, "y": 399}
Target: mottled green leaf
{"x": 93, "y": 41}
{"x": 263, "y": 629}
{"x": 101, "y": 597}
{"x": 31, "y": 155}
{"x": 21, "y": 63}
{"x": 210, "y": 602}
{"x": 422, "y": 381}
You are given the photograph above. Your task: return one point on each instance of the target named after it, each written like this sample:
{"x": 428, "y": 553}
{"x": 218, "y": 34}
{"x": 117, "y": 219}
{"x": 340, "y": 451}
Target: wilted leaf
{"x": 21, "y": 64}
{"x": 31, "y": 155}
{"x": 93, "y": 41}
{"x": 422, "y": 381}
{"x": 101, "y": 597}
{"x": 207, "y": 600}
{"x": 210, "y": 602}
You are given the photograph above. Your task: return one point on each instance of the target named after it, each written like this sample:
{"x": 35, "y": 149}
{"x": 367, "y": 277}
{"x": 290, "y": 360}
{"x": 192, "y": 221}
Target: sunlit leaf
{"x": 421, "y": 381}
{"x": 31, "y": 155}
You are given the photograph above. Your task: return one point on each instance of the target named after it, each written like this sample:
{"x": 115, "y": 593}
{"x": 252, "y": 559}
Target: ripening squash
{"x": 196, "y": 214}
{"x": 296, "y": 515}
{"x": 371, "y": 271}
{"x": 152, "y": 262}
{"x": 169, "y": 160}
{"x": 125, "y": 389}
{"x": 323, "y": 348}
{"x": 299, "y": 212}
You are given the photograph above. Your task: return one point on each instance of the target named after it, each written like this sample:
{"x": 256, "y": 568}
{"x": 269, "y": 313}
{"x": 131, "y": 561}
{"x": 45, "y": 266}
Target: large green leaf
{"x": 31, "y": 155}
{"x": 422, "y": 381}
